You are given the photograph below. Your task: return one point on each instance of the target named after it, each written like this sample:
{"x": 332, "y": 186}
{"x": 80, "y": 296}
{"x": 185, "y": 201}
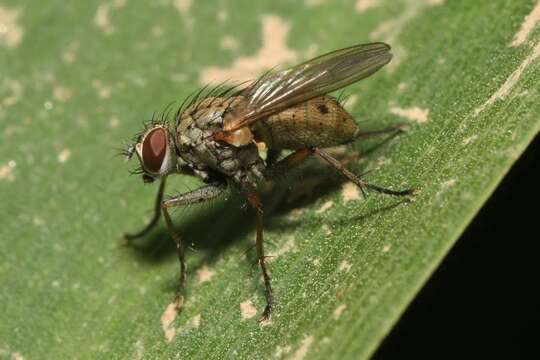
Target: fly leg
{"x": 204, "y": 193}
{"x": 255, "y": 202}
{"x": 301, "y": 155}
{"x": 393, "y": 130}
{"x": 356, "y": 179}
{"x": 281, "y": 167}
{"x": 157, "y": 213}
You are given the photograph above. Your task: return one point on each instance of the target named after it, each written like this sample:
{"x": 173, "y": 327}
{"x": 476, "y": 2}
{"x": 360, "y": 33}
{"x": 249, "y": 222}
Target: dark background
{"x": 483, "y": 301}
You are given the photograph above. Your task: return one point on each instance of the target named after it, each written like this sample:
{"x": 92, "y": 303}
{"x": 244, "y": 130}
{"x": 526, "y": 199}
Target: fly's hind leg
{"x": 255, "y": 202}
{"x": 392, "y": 130}
{"x": 204, "y": 193}
{"x": 356, "y": 179}
{"x": 157, "y": 213}
{"x": 301, "y": 155}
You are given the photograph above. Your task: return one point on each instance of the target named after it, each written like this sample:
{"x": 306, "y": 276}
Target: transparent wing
{"x": 276, "y": 91}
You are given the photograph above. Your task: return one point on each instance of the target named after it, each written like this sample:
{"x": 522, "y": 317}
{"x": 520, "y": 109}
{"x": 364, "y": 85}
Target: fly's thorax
{"x": 319, "y": 122}
{"x": 198, "y": 149}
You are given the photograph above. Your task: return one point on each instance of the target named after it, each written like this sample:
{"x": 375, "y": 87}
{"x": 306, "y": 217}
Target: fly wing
{"x": 277, "y": 91}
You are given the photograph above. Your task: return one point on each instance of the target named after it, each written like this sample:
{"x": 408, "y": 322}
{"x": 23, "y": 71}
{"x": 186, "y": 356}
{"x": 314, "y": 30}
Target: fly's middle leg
{"x": 196, "y": 196}
{"x": 256, "y": 203}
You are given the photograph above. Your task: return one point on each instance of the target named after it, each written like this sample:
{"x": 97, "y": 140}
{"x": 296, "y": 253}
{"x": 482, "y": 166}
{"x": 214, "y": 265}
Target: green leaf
{"x": 79, "y": 77}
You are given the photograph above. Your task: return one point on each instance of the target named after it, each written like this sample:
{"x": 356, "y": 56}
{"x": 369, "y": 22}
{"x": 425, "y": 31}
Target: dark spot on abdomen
{"x": 323, "y": 109}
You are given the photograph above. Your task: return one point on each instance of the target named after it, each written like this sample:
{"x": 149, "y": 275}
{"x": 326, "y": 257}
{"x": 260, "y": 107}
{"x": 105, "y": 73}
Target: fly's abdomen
{"x": 319, "y": 122}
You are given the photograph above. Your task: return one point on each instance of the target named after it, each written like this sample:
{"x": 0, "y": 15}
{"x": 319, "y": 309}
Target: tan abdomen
{"x": 319, "y": 122}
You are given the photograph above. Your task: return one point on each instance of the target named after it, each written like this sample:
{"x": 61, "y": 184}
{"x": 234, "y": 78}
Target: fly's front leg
{"x": 157, "y": 213}
{"x": 204, "y": 193}
{"x": 256, "y": 203}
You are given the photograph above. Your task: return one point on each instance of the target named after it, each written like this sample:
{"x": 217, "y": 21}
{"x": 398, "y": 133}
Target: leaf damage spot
{"x": 16, "y": 356}
{"x": 364, "y": 5}
{"x": 64, "y": 156}
{"x": 6, "y": 171}
{"x": 247, "y": 309}
{"x": 386, "y": 248}
{"x": 303, "y": 350}
{"x": 510, "y": 82}
{"x": 527, "y": 26}
{"x": 167, "y": 319}
{"x": 192, "y": 324}
{"x": 114, "y": 122}
{"x": 103, "y": 91}
{"x": 16, "y": 89}
{"x": 274, "y": 52}
{"x": 138, "y": 354}
{"x": 184, "y": 8}
{"x": 326, "y": 229}
{"x": 289, "y": 245}
{"x": 327, "y": 205}
{"x": 69, "y": 55}
{"x": 204, "y": 274}
{"x": 345, "y": 266}
{"x": 313, "y": 3}
{"x": 281, "y": 351}
{"x": 339, "y": 311}
{"x": 229, "y": 43}
{"x": 102, "y": 17}
{"x": 11, "y": 33}
{"x": 470, "y": 139}
{"x": 350, "y": 192}
{"x": 414, "y": 113}
{"x": 62, "y": 94}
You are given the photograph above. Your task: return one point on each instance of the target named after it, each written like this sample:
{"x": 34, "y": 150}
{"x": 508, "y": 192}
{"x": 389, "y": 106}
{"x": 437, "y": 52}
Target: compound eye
{"x": 154, "y": 149}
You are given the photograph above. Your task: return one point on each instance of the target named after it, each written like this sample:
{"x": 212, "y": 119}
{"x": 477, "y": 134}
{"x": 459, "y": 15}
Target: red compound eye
{"x": 154, "y": 148}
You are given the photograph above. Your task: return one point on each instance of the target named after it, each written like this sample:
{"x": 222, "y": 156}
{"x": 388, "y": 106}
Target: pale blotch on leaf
{"x": 6, "y": 171}
{"x": 193, "y": 323}
{"x": 64, "y": 155}
{"x": 102, "y": 17}
{"x": 247, "y": 309}
{"x": 16, "y": 89}
{"x": 167, "y": 319}
{"x": 204, "y": 274}
{"x": 11, "y": 33}
{"x": 103, "y": 91}
{"x": 414, "y": 113}
{"x": 229, "y": 43}
{"x": 339, "y": 310}
{"x": 184, "y": 8}
{"x": 284, "y": 248}
{"x": 350, "y": 192}
{"x": 510, "y": 82}
{"x": 345, "y": 266}
{"x": 364, "y": 5}
{"x": 327, "y": 205}
{"x": 16, "y": 356}
{"x": 114, "y": 122}
{"x": 527, "y": 26}
{"x": 274, "y": 52}
{"x": 386, "y": 248}
{"x": 470, "y": 139}
{"x": 326, "y": 229}
{"x": 62, "y": 94}
{"x": 303, "y": 350}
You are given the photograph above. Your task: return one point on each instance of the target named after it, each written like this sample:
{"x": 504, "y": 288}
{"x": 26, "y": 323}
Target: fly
{"x": 215, "y": 136}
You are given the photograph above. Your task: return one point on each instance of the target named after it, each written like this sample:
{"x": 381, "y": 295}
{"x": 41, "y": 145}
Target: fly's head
{"x": 156, "y": 152}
